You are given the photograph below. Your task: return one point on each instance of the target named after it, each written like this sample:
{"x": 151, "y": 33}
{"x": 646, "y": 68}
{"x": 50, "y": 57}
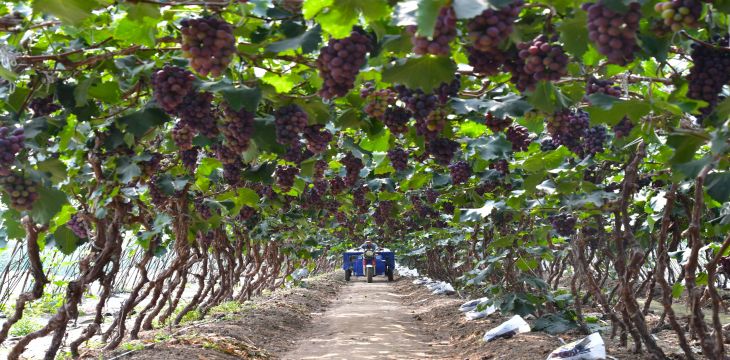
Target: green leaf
{"x": 14, "y": 230}
{"x": 685, "y": 146}
{"x": 312, "y": 7}
{"x": 49, "y": 203}
{"x": 55, "y": 167}
{"x": 127, "y": 169}
{"x": 247, "y": 197}
{"x": 677, "y": 290}
{"x": 72, "y": 12}
{"x": 718, "y": 186}
{"x": 574, "y": 33}
{"x": 377, "y": 142}
{"x": 553, "y": 324}
{"x": 106, "y": 91}
{"x": 547, "y": 97}
{"x": 65, "y": 240}
{"x": 139, "y": 11}
{"x": 547, "y": 160}
{"x": 342, "y": 15}
{"x": 136, "y": 32}
{"x": 428, "y": 11}
{"x": 139, "y": 122}
{"x": 282, "y": 83}
{"x": 308, "y": 41}
{"x": 243, "y": 97}
{"x": 412, "y": 72}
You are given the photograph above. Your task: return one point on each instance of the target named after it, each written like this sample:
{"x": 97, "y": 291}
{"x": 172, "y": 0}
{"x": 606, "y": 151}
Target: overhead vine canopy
{"x": 494, "y": 142}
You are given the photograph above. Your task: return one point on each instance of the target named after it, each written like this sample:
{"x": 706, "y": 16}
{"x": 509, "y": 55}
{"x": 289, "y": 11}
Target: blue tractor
{"x": 369, "y": 263}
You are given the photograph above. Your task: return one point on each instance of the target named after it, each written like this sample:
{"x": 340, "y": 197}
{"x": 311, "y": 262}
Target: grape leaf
{"x": 411, "y": 72}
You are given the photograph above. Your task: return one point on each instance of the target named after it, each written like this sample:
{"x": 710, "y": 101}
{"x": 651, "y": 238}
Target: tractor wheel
{"x": 390, "y": 274}
{"x": 348, "y": 273}
{"x": 370, "y": 275}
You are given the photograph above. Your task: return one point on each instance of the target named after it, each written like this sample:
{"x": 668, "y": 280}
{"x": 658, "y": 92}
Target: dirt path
{"x": 367, "y": 321}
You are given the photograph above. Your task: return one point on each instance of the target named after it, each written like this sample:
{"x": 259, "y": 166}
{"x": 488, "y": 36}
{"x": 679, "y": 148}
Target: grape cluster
{"x": 78, "y": 226}
{"x": 359, "y": 200}
{"x": 501, "y": 166}
{"x": 432, "y": 125}
{"x": 548, "y": 144}
{"x": 209, "y": 43}
{"x": 607, "y": 87}
{"x": 623, "y": 128}
{"x": 189, "y": 159}
{"x": 320, "y": 186}
{"x": 285, "y": 176}
{"x": 398, "y": 158}
{"x": 353, "y": 165}
{"x": 383, "y": 212}
{"x": 378, "y": 101}
{"x": 183, "y": 136}
{"x": 519, "y": 136}
{"x": 563, "y": 223}
{"x": 485, "y": 187}
{"x": 708, "y": 75}
{"x": 445, "y": 91}
{"x": 418, "y": 102}
{"x": 151, "y": 166}
{"x": 543, "y": 60}
{"x": 232, "y": 174}
{"x": 157, "y": 196}
{"x": 43, "y": 106}
{"x": 263, "y": 190}
{"x": 317, "y": 138}
{"x": 238, "y": 128}
{"x": 290, "y": 121}
{"x": 567, "y": 127}
{"x": 337, "y": 185}
{"x": 297, "y": 154}
{"x": 432, "y": 195}
{"x": 246, "y": 213}
{"x": 339, "y": 63}
{"x": 460, "y": 172}
{"x": 443, "y": 32}
{"x": 680, "y": 13}
{"x": 449, "y": 208}
{"x": 486, "y": 62}
{"x": 396, "y": 119}
{"x": 493, "y": 26}
{"x": 12, "y": 142}
{"x": 614, "y": 33}
{"x": 442, "y": 150}
{"x": 23, "y": 191}
{"x": 196, "y": 111}
{"x": 520, "y": 77}
{"x": 496, "y": 124}
{"x": 202, "y": 208}
{"x": 225, "y": 154}
{"x": 319, "y": 168}
{"x": 171, "y": 85}
{"x": 593, "y": 140}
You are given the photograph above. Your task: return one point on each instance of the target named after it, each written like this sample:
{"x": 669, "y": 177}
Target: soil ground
{"x": 327, "y": 318}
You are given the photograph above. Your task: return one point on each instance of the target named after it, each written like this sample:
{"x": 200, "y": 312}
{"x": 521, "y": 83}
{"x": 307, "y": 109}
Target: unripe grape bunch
{"x": 209, "y": 44}
{"x": 339, "y": 63}
{"x": 444, "y": 31}
{"x": 23, "y": 191}
{"x": 171, "y": 85}
{"x": 492, "y": 26}
{"x": 614, "y": 33}
{"x": 678, "y": 14}
{"x": 543, "y": 59}
{"x": 290, "y": 121}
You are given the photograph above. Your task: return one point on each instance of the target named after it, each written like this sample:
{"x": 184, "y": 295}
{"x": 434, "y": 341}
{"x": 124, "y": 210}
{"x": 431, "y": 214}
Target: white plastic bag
{"x": 472, "y": 304}
{"x": 422, "y": 281}
{"x": 590, "y": 347}
{"x": 476, "y": 314}
{"x": 441, "y": 288}
{"x": 515, "y": 325}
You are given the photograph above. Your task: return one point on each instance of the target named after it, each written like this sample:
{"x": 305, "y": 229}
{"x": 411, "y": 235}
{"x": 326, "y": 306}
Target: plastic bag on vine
{"x": 515, "y": 325}
{"x": 472, "y": 304}
{"x": 590, "y": 347}
{"x": 479, "y": 313}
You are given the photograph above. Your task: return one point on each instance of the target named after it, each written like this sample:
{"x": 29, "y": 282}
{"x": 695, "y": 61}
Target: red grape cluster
{"x": 497, "y": 124}
{"x": 444, "y": 31}
{"x": 151, "y": 166}
{"x": 383, "y": 212}
{"x": 445, "y": 91}
{"x": 189, "y": 159}
{"x": 442, "y": 150}
{"x": 209, "y": 43}
{"x": 417, "y": 101}
{"x": 521, "y": 78}
{"x": 12, "y": 142}
{"x": 563, "y": 223}
{"x": 460, "y": 172}
{"x": 290, "y": 121}
{"x": 202, "y": 208}
{"x": 398, "y": 159}
{"x": 319, "y": 168}
{"x": 614, "y": 33}
{"x": 297, "y": 154}
{"x": 320, "y": 186}
{"x": 23, "y": 191}
{"x": 567, "y": 127}
{"x": 337, "y": 185}
{"x": 501, "y": 166}
{"x": 353, "y": 165}
{"x": 708, "y": 74}
{"x": 623, "y": 128}
{"x": 171, "y": 85}
{"x": 449, "y": 208}
{"x": 78, "y": 226}
{"x": 593, "y": 140}
{"x": 246, "y": 213}
{"x": 232, "y": 174}
{"x": 339, "y": 63}
{"x": 317, "y": 138}
{"x": 680, "y": 13}
{"x": 548, "y": 144}
{"x": 285, "y": 176}
{"x": 493, "y": 26}
{"x": 238, "y": 128}
{"x": 197, "y": 113}
{"x": 183, "y": 136}
{"x": 396, "y": 119}
{"x": 519, "y": 136}
{"x": 359, "y": 200}
{"x": 378, "y": 102}
{"x": 43, "y": 106}
{"x": 607, "y": 87}
{"x": 225, "y": 154}
{"x": 432, "y": 195}
{"x": 157, "y": 196}
{"x": 432, "y": 125}
{"x": 543, "y": 60}
{"x": 486, "y": 62}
